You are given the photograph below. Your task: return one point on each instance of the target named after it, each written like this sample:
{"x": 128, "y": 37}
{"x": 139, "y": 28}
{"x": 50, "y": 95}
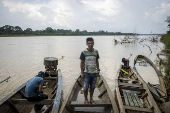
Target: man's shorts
{"x": 89, "y": 79}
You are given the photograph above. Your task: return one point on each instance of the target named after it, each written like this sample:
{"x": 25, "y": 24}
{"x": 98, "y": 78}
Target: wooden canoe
{"x": 16, "y": 102}
{"x": 132, "y": 93}
{"x": 161, "y": 86}
{"x": 105, "y": 102}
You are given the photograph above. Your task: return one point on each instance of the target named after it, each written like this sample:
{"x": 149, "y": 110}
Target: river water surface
{"x": 21, "y": 58}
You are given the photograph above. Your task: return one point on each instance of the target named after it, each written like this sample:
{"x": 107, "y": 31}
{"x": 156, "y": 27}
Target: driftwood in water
{"x": 157, "y": 46}
{"x": 153, "y": 38}
{"x": 166, "y": 50}
{"x": 126, "y": 39}
{"x": 148, "y": 46}
{"x": 5, "y": 79}
{"x": 141, "y": 40}
{"x": 161, "y": 59}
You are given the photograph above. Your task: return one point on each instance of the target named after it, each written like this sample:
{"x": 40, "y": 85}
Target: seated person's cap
{"x": 123, "y": 59}
{"x": 40, "y": 74}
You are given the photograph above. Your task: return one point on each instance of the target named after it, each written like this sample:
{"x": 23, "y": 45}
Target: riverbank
{"x": 25, "y": 35}
{"x": 166, "y": 41}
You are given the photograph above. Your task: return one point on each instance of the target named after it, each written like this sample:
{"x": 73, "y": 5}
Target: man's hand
{"x": 82, "y": 75}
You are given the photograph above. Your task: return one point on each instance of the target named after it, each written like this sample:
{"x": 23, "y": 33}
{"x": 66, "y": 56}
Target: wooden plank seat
{"x": 127, "y": 79}
{"x": 90, "y": 110}
{"x": 147, "y": 110}
{"x": 25, "y": 101}
{"x": 129, "y": 86}
{"x": 99, "y": 103}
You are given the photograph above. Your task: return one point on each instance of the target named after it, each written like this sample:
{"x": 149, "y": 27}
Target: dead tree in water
{"x": 5, "y": 79}
{"x": 157, "y": 46}
{"x": 148, "y": 46}
{"x": 160, "y": 63}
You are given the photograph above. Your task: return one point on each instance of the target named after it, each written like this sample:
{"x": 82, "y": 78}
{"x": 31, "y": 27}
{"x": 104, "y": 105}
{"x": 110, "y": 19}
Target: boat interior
{"x": 75, "y": 101}
{"x": 132, "y": 92}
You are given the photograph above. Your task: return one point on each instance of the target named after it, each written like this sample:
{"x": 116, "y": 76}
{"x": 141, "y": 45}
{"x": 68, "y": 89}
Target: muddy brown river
{"x": 21, "y": 58}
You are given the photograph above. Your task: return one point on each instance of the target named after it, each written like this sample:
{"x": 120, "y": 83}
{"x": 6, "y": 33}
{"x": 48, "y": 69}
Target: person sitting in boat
{"x": 89, "y": 66}
{"x": 126, "y": 63}
{"x": 33, "y": 90}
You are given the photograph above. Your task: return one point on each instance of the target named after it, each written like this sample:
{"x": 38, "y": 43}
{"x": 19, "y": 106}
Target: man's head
{"x": 40, "y": 74}
{"x": 90, "y": 42}
{"x": 123, "y": 60}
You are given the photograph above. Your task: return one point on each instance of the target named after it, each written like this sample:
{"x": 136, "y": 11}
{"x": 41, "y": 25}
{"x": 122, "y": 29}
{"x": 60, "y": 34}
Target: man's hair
{"x": 89, "y": 39}
{"x": 123, "y": 60}
{"x": 40, "y": 74}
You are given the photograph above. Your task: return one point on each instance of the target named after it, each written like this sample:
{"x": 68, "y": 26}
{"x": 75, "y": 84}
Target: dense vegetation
{"x": 166, "y": 41}
{"x": 8, "y": 30}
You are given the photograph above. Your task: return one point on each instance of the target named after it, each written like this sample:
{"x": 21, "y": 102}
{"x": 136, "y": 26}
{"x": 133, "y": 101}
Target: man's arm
{"x": 81, "y": 67}
{"x": 40, "y": 85}
{"x": 39, "y": 88}
{"x": 97, "y": 63}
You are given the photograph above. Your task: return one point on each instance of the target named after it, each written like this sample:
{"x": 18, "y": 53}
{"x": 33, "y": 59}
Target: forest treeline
{"x": 17, "y": 30}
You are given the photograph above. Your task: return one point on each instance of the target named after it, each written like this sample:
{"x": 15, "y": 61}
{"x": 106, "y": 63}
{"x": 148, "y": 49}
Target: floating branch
{"x": 116, "y": 41}
{"x": 161, "y": 59}
{"x": 157, "y": 46}
{"x": 148, "y": 46}
{"x": 130, "y": 56}
{"x": 141, "y": 40}
{"x": 166, "y": 50}
{"x": 5, "y": 79}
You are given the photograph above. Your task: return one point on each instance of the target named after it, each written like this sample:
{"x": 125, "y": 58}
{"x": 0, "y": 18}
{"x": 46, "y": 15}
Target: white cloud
{"x": 147, "y": 15}
{"x": 31, "y": 10}
{"x": 61, "y": 10}
{"x": 90, "y": 15}
{"x": 61, "y": 21}
{"x": 107, "y": 8}
{"x": 161, "y": 12}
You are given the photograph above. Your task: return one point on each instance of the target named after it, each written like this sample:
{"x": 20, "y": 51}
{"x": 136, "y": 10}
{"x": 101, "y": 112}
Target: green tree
{"x": 77, "y": 32}
{"x": 7, "y": 29}
{"x": 49, "y": 30}
{"x": 168, "y": 21}
{"x": 18, "y": 30}
{"x": 28, "y": 31}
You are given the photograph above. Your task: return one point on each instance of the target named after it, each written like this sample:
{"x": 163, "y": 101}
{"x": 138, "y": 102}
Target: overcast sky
{"x": 142, "y": 16}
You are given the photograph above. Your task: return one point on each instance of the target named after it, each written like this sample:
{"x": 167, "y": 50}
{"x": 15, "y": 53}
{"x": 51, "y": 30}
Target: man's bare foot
{"x": 92, "y": 102}
{"x": 86, "y": 101}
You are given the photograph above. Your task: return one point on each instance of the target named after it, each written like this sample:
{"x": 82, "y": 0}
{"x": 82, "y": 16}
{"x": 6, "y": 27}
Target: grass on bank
{"x": 166, "y": 41}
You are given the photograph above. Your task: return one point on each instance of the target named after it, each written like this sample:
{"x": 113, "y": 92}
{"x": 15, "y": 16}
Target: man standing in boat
{"x": 33, "y": 90}
{"x": 89, "y": 66}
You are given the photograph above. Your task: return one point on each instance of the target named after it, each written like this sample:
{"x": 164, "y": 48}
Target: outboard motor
{"x": 50, "y": 64}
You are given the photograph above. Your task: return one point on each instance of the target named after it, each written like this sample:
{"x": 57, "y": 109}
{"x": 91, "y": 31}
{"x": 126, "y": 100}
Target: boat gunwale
{"x": 57, "y": 100}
